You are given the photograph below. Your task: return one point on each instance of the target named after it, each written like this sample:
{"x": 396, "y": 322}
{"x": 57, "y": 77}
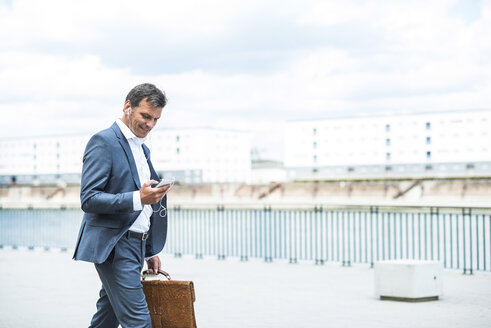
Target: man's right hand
{"x": 149, "y": 195}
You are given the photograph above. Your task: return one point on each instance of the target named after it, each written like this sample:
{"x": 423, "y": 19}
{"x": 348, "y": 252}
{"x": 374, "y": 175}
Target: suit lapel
{"x": 153, "y": 175}
{"x": 129, "y": 155}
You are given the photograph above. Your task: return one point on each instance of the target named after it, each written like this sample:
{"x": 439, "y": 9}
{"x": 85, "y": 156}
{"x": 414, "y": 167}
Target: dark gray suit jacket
{"x": 109, "y": 178}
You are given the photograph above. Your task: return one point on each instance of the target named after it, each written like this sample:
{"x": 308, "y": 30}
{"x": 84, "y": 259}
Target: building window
{"x": 428, "y": 168}
{"x": 387, "y": 127}
{"x": 314, "y": 144}
{"x": 351, "y": 169}
{"x": 314, "y": 131}
{"x": 177, "y": 138}
{"x": 388, "y": 169}
{"x": 387, "y": 142}
{"x": 387, "y": 156}
{"x": 315, "y": 170}
{"x": 178, "y": 151}
{"x": 315, "y": 158}
{"x": 428, "y": 155}
{"x": 428, "y": 125}
{"x": 428, "y": 140}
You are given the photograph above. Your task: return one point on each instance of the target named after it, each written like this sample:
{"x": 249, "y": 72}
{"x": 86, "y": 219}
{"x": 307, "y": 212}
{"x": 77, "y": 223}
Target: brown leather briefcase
{"x": 170, "y": 302}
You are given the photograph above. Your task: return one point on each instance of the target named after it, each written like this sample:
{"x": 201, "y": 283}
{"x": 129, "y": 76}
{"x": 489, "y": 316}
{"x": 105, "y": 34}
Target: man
{"x": 120, "y": 228}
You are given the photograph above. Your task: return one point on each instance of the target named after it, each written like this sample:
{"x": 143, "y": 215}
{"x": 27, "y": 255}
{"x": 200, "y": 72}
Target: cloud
{"x": 328, "y": 13}
{"x": 75, "y": 21}
{"x": 67, "y": 66}
{"x": 42, "y": 76}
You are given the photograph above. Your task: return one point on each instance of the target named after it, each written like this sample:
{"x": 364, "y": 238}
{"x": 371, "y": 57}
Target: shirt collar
{"x": 128, "y": 134}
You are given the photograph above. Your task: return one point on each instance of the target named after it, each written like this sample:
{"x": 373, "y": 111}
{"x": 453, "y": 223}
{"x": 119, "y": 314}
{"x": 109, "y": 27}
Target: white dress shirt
{"x": 142, "y": 222}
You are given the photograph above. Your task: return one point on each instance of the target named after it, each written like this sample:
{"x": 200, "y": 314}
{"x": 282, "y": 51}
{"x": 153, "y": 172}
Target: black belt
{"x": 137, "y": 235}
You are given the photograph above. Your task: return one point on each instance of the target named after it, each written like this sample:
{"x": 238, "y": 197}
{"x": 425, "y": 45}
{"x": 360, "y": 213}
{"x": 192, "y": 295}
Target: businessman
{"x": 122, "y": 225}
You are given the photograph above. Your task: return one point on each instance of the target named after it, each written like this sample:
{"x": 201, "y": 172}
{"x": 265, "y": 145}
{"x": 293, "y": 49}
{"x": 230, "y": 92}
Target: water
{"x": 40, "y": 227}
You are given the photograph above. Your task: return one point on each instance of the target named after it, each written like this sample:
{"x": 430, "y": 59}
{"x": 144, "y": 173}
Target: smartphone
{"x": 163, "y": 183}
{"x": 166, "y": 182}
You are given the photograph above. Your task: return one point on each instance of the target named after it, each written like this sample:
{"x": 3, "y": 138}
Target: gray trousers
{"x": 121, "y": 299}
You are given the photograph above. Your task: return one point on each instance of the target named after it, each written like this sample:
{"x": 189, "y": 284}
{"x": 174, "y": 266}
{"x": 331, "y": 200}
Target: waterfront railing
{"x": 458, "y": 237}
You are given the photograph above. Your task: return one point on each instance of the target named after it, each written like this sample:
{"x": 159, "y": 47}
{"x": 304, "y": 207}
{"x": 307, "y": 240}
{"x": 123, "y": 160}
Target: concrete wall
{"x": 436, "y": 192}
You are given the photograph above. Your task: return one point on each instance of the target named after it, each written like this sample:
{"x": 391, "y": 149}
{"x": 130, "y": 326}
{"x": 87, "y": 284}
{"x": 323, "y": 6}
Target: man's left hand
{"x": 154, "y": 265}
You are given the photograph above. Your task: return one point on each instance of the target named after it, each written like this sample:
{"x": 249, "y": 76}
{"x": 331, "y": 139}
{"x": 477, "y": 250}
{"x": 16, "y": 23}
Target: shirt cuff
{"x": 137, "y": 202}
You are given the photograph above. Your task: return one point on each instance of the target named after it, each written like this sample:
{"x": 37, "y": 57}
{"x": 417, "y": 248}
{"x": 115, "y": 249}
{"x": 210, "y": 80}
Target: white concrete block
{"x": 408, "y": 280}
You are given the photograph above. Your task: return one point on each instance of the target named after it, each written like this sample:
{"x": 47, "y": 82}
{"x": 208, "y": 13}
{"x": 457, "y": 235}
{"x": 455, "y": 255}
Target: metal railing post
{"x": 467, "y": 213}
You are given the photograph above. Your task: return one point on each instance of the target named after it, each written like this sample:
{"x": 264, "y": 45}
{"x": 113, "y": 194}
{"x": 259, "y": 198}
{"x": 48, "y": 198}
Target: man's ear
{"x": 127, "y": 108}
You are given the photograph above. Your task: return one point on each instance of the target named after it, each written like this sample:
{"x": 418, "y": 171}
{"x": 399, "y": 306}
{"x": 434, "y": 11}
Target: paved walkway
{"x": 47, "y": 289}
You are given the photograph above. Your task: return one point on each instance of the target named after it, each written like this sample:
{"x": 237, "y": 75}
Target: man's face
{"x": 141, "y": 119}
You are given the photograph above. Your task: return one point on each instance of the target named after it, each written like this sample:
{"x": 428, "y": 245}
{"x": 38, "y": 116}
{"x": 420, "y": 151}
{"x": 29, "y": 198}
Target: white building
{"x": 202, "y": 155}
{"x": 427, "y": 144}
{"x": 194, "y": 155}
{"x": 266, "y": 171}
{"x": 41, "y": 159}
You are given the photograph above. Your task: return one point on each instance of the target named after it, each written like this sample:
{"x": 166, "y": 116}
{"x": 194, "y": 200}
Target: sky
{"x": 66, "y": 66}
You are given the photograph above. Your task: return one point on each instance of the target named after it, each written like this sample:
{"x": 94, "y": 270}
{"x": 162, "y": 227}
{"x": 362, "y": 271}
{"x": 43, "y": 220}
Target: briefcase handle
{"x": 162, "y": 272}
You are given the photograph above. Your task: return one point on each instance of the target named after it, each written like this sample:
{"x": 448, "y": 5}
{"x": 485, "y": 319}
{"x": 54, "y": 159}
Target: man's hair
{"x": 146, "y": 90}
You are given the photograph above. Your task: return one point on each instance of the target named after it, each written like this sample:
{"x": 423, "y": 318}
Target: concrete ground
{"x": 48, "y": 289}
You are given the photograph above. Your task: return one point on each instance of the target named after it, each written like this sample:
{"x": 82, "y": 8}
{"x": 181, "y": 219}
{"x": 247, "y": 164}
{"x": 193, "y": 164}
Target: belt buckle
{"x": 144, "y": 236}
